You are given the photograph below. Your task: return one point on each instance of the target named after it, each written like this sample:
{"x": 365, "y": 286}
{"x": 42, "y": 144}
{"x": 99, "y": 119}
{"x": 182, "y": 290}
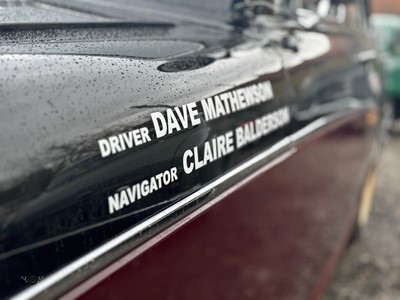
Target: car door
{"x": 152, "y": 123}
{"x": 335, "y": 106}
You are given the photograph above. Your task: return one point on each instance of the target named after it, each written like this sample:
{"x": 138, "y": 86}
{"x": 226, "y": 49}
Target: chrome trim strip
{"x": 90, "y": 257}
{"x": 309, "y": 129}
{"x": 101, "y": 250}
{"x": 355, "y": 107}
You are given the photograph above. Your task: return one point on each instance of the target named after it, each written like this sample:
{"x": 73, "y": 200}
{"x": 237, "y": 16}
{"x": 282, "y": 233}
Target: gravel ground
{"x": 370, "y": 267}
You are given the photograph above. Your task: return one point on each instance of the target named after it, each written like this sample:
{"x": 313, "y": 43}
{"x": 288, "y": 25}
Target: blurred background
{"x": 385, "y": 6}
{"x": 370, "y": 268}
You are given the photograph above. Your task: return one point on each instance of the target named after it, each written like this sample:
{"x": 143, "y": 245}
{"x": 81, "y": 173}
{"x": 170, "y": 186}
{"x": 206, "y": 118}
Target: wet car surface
{"x": 121, "y": 128}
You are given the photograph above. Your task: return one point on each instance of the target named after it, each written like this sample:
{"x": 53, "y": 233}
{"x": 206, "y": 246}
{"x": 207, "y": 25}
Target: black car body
{"x": 121, "y": 120}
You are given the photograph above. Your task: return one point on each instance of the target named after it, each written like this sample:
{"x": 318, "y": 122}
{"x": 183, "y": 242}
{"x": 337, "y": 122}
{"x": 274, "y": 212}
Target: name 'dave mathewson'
{"x": 182, "y": 117}
{"x": 178, "y": 118}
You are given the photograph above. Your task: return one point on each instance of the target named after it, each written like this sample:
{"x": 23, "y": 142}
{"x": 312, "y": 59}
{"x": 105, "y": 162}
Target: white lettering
{"x": 129, "y": 195}
{"x": 159, "y": 123}
{"x": 104, "y": 146}
{"x": 123, "y": 141}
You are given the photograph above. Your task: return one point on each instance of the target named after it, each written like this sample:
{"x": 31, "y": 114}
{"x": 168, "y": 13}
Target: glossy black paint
{"x": 65, "y": 86}
{"x": 58, "y": 101}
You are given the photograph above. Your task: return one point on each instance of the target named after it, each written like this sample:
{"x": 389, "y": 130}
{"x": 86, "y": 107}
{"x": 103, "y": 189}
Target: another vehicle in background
{"x": 388, "y": 31}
